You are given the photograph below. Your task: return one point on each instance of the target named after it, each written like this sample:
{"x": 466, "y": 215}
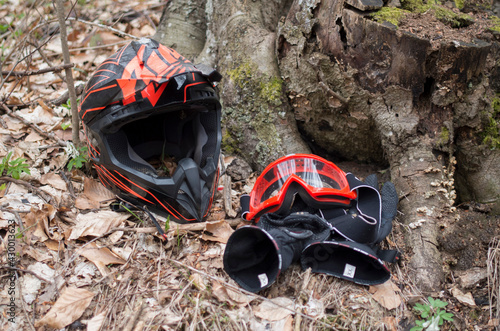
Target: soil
{"x": 427, "y": 26}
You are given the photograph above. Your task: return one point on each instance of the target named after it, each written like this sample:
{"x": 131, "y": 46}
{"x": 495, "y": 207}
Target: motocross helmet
{"x": 152, "y": 124}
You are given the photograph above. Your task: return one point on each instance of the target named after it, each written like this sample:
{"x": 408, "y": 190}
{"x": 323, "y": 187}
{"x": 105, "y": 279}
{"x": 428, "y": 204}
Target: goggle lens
{"x": 322, "y": 179}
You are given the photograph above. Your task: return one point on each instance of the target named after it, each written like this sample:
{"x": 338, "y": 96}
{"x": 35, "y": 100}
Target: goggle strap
{"x": 363, "y": 225}
{"x": 354, "y": 228}
{"x": 245, "y": 206}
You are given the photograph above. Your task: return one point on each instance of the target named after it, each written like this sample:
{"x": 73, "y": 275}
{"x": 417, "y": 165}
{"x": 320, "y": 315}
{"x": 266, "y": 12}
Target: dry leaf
{"x": 33, "y": 136}
{"x": 96, "y": 223}
{"x": 67, "y": 309}
{"x": 275, "y": 309}
{"x": 54, "y": 245}
{"x": 95, "y": 323}
{"x": 54, "y": 180}
{"x": 466, "y": 298}
{"x": 84, "y": 203}
{"x": 224, "y": 294}
{"x": 220, "y": 231}
{"x": 94, "y": 193}
{"x": 390, "y": 323}
{"x": 198, "y": 281}
{"x": 100, "y": 256}
{"x": 37, "y": 220}
{"x": 386, "y": 295}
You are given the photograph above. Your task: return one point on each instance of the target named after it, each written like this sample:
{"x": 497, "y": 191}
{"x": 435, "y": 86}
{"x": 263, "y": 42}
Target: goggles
{"x": 320, "y": 184}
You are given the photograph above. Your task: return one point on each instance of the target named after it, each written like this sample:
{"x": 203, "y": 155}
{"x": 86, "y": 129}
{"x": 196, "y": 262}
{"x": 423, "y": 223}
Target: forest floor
{"x": 80, "y": 265}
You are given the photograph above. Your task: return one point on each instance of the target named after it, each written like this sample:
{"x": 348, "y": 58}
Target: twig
{"x": 38, "y": 72}
{"x": 33, "y": 125}
{"x": 44, "y": 195}
{"x": 68, "y": 184}
{"x": 102, "y": 26}
{"x": 235, "y": 288}
{"x": 302, "y": 293}
{"x": 22, "y": 302}
{"x": 69, "y": 74}
{"x": 129, "y": 326}
{"x": 90, "y": 48}
{"x": 27, "y": 272}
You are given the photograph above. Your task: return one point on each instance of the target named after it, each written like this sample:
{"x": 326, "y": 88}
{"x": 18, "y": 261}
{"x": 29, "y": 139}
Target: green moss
{"x": 389, "y": 14}
{"x": 271, "y": 90}
{"x": 444, "y": 135}
{"x": 445, "y": 15}
{"x": 412, "y": 5}
{"x": 258, "y": 110}
{"x": 496, "y": 23}
{"x": 491, "y": 133}
{"x": 451, "y": 18}
{"x": 229, "y": 144}
{"x": 460, "y": 4}
{"x": 241, "y": 75}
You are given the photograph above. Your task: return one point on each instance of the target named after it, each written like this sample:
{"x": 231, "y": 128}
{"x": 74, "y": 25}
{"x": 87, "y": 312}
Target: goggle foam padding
{"x": 347, "y": 260}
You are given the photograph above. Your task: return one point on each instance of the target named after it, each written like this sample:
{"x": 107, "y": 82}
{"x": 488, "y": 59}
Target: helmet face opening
{"x": 156, "y": 144}
{"x": 155, "y": 140}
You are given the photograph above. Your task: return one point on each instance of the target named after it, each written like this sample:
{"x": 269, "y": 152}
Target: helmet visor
{"x": 323, "y": 183}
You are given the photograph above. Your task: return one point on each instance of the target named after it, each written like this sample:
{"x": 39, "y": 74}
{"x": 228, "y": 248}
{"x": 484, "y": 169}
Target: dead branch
{"x": 27, "y": 272}
{"x": 35, "y": 127}
{"x": 69, "y": 74}
{"x": 37, "y": 72}
{"x": 44, "y": 195}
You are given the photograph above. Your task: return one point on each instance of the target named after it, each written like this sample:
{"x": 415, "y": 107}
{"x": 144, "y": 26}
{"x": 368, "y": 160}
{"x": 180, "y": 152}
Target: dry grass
{"x": 494, "y": 278}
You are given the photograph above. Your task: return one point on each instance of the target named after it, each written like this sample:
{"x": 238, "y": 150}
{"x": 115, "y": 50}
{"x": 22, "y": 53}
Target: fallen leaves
{"x": 275, "y": 309}
{"x": 68, "y": 308}
{"x": 94, "y": 195}
{"x": 220, "y": 231}
{"x": 387, "y": 294}
{"x": 96, "y": 223}
{"x": 462, "y": 297}
{"x": 100, "y": 256}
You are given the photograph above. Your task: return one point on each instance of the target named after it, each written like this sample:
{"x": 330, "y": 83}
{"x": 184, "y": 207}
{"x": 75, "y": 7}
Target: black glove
{"x": 358, "y": 259}
{"x": 256, "y": 255}
{"x": 356, "y": 262}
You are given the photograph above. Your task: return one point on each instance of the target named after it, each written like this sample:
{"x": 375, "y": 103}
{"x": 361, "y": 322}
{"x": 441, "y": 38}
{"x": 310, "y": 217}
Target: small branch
{"x": 33, "y": 125}
{"x": 37, "y": 72}
{"x": 45, "y": 196}
{"x": 69, "y": 74}
{"x": 27, "y": 272}
{"x": 21, "y": 298}
{"x": 102, "y": 26}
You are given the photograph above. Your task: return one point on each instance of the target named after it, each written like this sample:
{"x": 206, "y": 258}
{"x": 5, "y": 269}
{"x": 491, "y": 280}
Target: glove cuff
{"x": 252, "y": 258}
{"x": 352, "y": 261}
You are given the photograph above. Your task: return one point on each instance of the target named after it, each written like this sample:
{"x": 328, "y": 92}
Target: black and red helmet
{"x": 152, "y": 124}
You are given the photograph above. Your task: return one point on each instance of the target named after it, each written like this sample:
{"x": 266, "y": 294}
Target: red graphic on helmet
{"x": 129, "y": 71}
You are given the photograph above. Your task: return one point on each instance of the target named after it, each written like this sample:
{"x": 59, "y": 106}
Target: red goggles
{"x": 320, "y": 184}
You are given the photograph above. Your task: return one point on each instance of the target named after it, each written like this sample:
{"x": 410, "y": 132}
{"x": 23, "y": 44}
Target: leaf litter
{"x": 80, "y": 265}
